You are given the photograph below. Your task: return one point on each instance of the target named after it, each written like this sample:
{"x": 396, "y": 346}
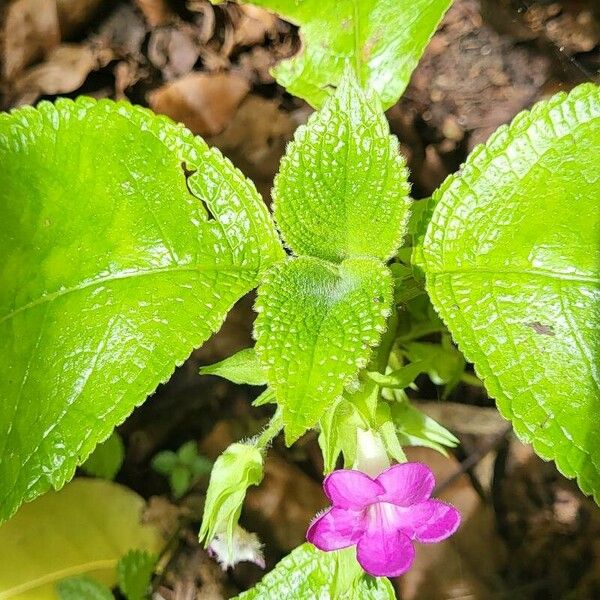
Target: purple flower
{"x": 382, "y": 516}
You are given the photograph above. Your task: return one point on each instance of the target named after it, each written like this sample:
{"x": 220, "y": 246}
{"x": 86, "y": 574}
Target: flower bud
{"x": 239, "y": 467}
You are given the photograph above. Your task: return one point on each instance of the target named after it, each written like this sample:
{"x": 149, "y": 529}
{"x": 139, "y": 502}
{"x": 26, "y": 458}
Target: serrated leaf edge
{"x": 480, "y": 157}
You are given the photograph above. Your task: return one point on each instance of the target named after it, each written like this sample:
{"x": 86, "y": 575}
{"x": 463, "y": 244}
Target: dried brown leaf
{"x": 203, "y": 102}
{"x": 65, "y": 70}
{"x": 253, "y": 25}
{"x": 255, "y": 139}
{"x": 30, "y": 31}
{"x": 156, "y": 12}
{"x": 173, "y": 50}
{"x": 73, "y": 15}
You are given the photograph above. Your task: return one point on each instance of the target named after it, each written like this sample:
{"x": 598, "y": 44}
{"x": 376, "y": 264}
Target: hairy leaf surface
{"x": 342, "y": 187}
{"x": 124, "y": 241}
{"x": 383, "y": 40}
{"x": 243, "y": 367}
{"x": 308, "y": 573}
{"x": 316, "y": 326}
{"x": 512, "y": 259}
{"x": 83, "y": 529}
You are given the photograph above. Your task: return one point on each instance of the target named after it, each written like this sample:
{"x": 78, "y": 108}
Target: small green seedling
{"x": 183, "y": 468}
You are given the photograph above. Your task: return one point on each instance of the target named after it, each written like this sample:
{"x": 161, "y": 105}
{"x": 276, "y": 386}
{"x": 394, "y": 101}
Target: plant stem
{"x": 274, "y": 426}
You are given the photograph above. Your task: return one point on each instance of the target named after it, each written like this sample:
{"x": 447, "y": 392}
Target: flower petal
{"x": 407, "y": 483}
{"x": 351, "y": 489}
{"x": 335, "y": 529}
{"x": 433, "y": 521}
{"x": 384, "y": 553}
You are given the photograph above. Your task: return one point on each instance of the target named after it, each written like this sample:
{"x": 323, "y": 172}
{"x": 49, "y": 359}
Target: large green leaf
{"x": 512, "y": 259}
{"x": 83, "y": 529}
{"x": 382, "y": 39}
{"x": 316, "y": 326}
{"x": 308, "y": 573}
{"x": 124, "y": 242}
{"x": 342, "y": 187}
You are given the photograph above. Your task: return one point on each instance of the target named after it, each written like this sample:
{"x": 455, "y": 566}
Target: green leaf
{"x": 413, "y": 428}
{"x": 164, "y": 462}
{"x": 308, "y": 573}
{"x": 391, "y": 440}
{"x": 82, "y": 588}
{"x": 83, "y": 529}
{"x": 342, "y": 186}
{"x": 383, "y": 40}
{"x": 243, "y": 368}
{"x": 124, "y": 241}
{"x": 200, "y": 466}
{"x": 400, "y": 378}
{"x": 511, "y": 257}
{"x": 316, "y": 326}
{"x": 135, "y": 571}
{"x": 179, "y": 480}
{"x": 267, "y": 397}
{"x": 187, "y": 453}
{"x": 443, "y": 363}
{"x": 106, "y": 459}
{"x": 338, "y": 434}
{"x": 182, "y": 467}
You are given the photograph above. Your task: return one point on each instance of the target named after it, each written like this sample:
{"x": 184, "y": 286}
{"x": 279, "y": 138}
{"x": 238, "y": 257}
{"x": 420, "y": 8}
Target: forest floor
{"x": 528, "y": 533}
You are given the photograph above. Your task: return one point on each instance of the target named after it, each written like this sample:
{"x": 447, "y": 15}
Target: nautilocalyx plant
{"x": 382, "y": 516}
{"x": 126, "y": 240}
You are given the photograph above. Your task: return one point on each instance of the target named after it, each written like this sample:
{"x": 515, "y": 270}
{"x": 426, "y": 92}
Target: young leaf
{"x": 511, "y": 258}
{"x": 308, "y": 573}
{"x": 413, "y": 428}
{"x": 242, "y": 367}
{"x": 82, "y": 588}
{"x": 106, "y": 459}
{"x": 164, "y": 462}
{"x": 124, "y": 241}
{"x": 135, "y": 571}
{"x": 342, "y": 186}
{"x": 83, "y": 529}
{"x": 443, "y": 363}
{"x": 182, "y": 467}
{"x": 384, "y": 40}
{"x": 179, "y": 480}
{"x": 401, "y": 378}
{"x": 267, "y": 397}
{"x": 338, "y": 434}
{"x": 316, "y": 326}
{"x": 187, "y": 453}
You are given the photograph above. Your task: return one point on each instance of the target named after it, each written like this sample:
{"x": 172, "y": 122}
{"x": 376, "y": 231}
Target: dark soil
{"x": 528, "y": 533}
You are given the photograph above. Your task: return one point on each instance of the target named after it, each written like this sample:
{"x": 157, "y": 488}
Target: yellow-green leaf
{"x": 83, "y": 529}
